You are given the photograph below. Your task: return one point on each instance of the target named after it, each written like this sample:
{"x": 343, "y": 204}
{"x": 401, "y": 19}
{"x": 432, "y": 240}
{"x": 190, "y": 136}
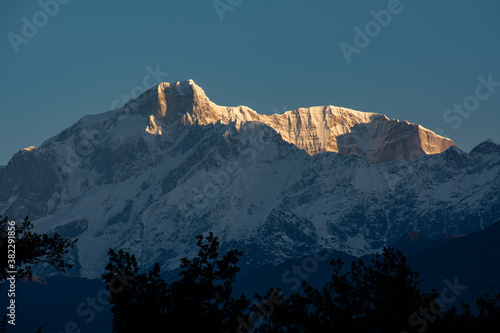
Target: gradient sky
{"x": 269, "y": 55}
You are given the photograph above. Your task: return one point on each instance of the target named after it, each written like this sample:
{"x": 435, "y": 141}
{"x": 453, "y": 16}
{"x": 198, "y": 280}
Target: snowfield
{"x": 169, "y": 165}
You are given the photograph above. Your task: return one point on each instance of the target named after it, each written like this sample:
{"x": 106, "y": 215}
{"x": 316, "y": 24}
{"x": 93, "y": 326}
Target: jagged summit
{"x": 187, "y": 103}
{"x": 110, "y": 183}
{"x": 318, "y": 129}
{"x": 372, "y": 136}
{"x": 486, "y": 147}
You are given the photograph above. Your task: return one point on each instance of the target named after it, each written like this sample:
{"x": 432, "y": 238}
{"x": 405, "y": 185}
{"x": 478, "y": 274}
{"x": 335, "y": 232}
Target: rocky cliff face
{"x": 316, "y": 130}
{"x": 263, "y": 184}
{"x": 369, "y": 135}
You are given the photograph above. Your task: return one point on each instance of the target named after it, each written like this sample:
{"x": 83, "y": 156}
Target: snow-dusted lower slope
{"x": 114, "y": 182}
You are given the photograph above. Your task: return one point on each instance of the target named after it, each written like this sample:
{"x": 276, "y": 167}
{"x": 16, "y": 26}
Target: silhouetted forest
{"x": 382, "y": 296}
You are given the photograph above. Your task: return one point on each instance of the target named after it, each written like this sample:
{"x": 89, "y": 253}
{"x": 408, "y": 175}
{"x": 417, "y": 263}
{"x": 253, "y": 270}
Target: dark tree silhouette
{"x": 489, "y": 312}
{"x": 368, "y": 298}
{"x": 25, "y": 248}
{"x": 31, "y": 248}
{"x": 379, "y": 297}
{"x": 199, "y": 301}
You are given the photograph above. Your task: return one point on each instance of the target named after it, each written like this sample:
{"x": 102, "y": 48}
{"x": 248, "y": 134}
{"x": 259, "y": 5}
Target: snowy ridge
{"x": 319, "y": 129}
{"x": 316, "y": 129}
{"x": 263, "y": 184}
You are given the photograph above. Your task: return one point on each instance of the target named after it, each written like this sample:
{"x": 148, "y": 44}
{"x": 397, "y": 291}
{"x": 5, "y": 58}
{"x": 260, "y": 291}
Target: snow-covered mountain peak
{"x": 202, "y": 167}
{"x": 187, "y": 103}
{"x": 372, "y": 136}
{"x": 317, "y": 129}
{"x": 486, "y": 147}
{"x": 171, "y": 103}
{"x": 490, "y": 141}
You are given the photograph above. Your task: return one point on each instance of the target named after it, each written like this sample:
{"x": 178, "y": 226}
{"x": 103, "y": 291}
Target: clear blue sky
{"x": 268, "y": 55}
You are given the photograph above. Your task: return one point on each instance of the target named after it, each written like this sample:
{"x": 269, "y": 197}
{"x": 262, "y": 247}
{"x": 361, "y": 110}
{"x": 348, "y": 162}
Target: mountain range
{"x": 169, "y": 165}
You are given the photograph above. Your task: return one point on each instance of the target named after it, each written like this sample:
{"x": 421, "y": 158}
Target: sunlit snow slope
{"x": 169, "y": 165}
{"x": 372, "y": 136}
